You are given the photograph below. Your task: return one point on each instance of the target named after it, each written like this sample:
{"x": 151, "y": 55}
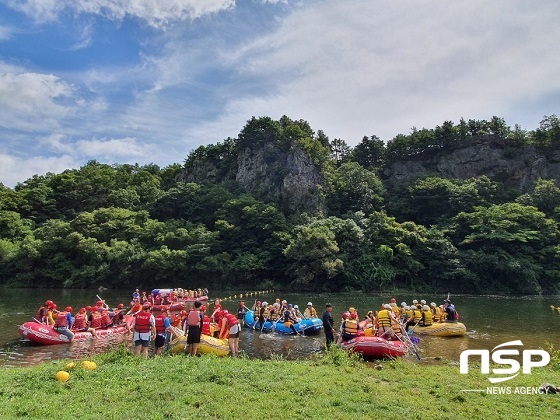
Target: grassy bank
{"x": 334, "y": 386}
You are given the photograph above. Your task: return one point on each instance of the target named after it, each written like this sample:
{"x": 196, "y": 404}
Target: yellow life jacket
{"x": 409, "y": 313}
{"x": 438, "y": 315}
{"x": 427, "y": 318}
{"x": 351, "y": 326}
{"x": 395, "y": 310}
{"x": 384, "y": 318}
{"x": 417, "y": 315}
{"x": 396, "y": 327}
{"x": 274, "y": 315}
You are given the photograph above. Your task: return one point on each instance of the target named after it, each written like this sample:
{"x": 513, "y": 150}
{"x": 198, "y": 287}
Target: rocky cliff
{"x": 269, "y": 173}
{"x": 516, "y": 166}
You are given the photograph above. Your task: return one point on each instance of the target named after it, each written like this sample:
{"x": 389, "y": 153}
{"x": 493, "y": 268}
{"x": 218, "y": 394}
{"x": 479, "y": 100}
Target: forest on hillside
{"x": 126, "y": 225}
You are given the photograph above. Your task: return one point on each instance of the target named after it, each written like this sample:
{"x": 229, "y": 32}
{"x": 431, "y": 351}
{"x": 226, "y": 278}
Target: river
{"x": 490, "y": 320}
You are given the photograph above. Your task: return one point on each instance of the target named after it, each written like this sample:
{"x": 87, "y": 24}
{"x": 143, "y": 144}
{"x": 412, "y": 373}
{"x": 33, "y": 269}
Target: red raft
{"x": 46, "y": 335}
{"x": 375, "y": 347}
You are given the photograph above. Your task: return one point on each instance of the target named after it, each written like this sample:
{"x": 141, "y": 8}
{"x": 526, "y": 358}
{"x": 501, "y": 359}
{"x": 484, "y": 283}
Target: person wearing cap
{"x": 310, "y": 311}
{"x": 328, "y": 325}
{"x": 144, "y": 326}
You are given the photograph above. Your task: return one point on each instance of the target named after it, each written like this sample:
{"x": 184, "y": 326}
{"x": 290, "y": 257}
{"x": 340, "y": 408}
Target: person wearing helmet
{"x": 383, "y": 321}
{"x": 274, "y": 312}
{"x": 257, "y": 308}
{"x": 416, "y": 316}
{"x": 264, "y": 315}
{"x": 350, "y": 327}
{"x": 394, "y": 309}
{"x": 393, "y": 300}
{"x": 42, "y": 312}
{"x": 310, "y": 311}
{"x": 118, "y": 314}
{"x": 427, "y": 317}
{"x": 422, "y": 302}
{"x": 297, "y": 314}
{"x": 63, "y": 322}
{"x": 81, "y": 323}
{"x": 437, "y": 312}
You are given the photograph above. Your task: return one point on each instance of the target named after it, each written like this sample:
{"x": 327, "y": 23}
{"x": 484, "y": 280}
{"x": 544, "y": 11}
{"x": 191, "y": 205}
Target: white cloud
{"x": 157, "y": 13}
{"x": 32, "y": 101}
{"x": 365, "y": 67}
{"x": 6, "y": 32}
{"x": 113, "y": 149}
{"x": 17, "y": 169}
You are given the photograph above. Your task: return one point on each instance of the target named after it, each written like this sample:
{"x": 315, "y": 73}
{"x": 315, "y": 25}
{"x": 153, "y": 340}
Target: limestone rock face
{"x": 289, "y": 178}
{"x": 517, "y": 166}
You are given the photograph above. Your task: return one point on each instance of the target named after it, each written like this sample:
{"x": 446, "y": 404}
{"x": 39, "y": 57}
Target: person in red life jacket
{"x": 183, "y": 322}
{"x": 106, "y": 321}
{"x": 206, "y": 321}
{"x": 118, "y": 314}
{"x": 163, "y": 324}
{"x": 194, "y": 328}
{"x": 42, "y": 312}
{"x": 81, "y": 323}
{"x": 63, "y": 322}
{"x": 95, "y": 318}
{"x": 165, "y": 299}
{"x": 144, "y": 326}
{"x": 230, "y": 325}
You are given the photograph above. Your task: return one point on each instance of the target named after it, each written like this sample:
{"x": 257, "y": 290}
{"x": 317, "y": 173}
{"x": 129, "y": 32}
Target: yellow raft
{"x": 207, "y": 345}
{"x": 443, "y": 329}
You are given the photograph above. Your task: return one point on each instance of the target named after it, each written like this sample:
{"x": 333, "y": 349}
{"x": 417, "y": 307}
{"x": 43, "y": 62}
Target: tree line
{"x": 130, "y": 225}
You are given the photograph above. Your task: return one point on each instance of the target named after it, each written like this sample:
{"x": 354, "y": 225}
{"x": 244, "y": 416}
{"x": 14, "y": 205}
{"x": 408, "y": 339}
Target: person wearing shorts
{"x": 163, "y": 324}
{"x": 194, "y": 326}
{"x": 144, "y": 326}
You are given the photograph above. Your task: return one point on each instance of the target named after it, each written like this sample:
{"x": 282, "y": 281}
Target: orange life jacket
{"x": 80, "y": 322}
{"x": 95, "y": 320}
{"x": 61, "y": 320}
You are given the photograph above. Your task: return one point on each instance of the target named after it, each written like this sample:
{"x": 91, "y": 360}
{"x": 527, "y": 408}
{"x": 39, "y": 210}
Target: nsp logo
{"x": 498, "y": 357}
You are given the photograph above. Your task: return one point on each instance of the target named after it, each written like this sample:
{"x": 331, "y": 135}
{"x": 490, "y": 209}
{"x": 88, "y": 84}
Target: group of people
{"x": 167, "y": 297}
{"x": 89, "y": 318}
{"x": 281, "y": 311}
{"x": 391, "y": 321}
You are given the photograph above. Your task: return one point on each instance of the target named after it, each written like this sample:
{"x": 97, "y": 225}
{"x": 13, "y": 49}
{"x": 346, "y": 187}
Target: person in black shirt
{"x": 328, "y": 325}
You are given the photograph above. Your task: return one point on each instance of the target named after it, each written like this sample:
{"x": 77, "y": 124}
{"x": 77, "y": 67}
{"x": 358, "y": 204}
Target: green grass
{"x": 331, "y": 387}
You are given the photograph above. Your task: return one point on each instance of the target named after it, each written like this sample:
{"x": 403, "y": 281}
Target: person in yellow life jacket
{"x": 416, "y": 317}
{"x": 427, "y": 318}
{"x": 408, "y": 312}
{"x": 383, "y": 321}
{"x": 350, "y": 327}
{"x": 402, "y": 309}
{"x": 395, "y": 309}
{"x": 436, "y": 312}
{"x": 310, "y": 311}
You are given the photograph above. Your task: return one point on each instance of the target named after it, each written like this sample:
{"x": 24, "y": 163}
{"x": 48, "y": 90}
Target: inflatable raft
{"x": 311, "y": 326}
{"x": 375, "y": 347}
{"x": 47, "y": 335}
{"x": 207, "y": 345}
{"x": 443, "y": 329}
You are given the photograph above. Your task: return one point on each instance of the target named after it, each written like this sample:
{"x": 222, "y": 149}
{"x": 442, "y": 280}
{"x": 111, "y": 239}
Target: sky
{"x": 148, "y": 81}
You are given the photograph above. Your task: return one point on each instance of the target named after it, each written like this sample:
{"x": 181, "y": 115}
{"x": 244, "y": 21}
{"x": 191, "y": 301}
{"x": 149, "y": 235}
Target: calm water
{"x": 490, "y": 321}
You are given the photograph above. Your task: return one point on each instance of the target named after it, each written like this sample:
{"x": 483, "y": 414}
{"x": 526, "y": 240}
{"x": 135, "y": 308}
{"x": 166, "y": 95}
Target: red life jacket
{"x": 95, "y": 320}
{"x": 206, "y": 325}
{"x": 105, "y": 319}
{"x": 80, "y": 322}
{"x": 193, "y": 318}
{"x": 231, "y": 320}
{"x": 118, "y": 316}
{"x": 142, "y": 324}
{"x": 160, "y": 323}
{"x": 61, "y": 320}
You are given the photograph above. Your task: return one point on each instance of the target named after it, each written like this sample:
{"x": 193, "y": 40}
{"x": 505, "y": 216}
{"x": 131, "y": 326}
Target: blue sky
{"x": 147, "y": 81}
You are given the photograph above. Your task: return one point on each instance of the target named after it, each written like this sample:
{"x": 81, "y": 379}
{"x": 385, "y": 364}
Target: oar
{"x": 102, "y": 300}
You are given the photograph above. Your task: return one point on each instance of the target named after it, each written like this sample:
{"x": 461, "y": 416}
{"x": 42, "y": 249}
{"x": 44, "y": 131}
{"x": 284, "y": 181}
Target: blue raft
{"x": 311, "y": 326}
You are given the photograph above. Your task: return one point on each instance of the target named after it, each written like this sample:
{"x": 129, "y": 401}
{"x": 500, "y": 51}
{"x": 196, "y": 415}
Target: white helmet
{"x": 309, "y": 304}
{"x": 423, "y": 302}
{"x": 393, "y": 304}
{"x": 415, "y": 302}
{"x": 296, "y": 307}
{"x": 265, "y": 304}
{"x": 403, "y": 304}
{"x": 426, "y": 307}
{"x": 284, "y": 302}
{"x": 407, "y": 308}
{"x": 433, "y": 304}
{"x": 387, "y": 306}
